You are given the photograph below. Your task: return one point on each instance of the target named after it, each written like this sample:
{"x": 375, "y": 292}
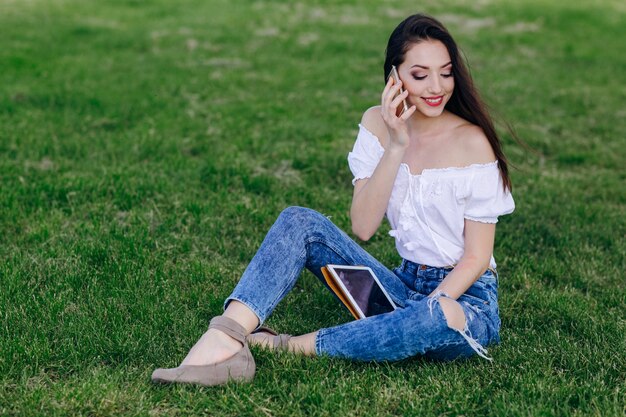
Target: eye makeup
{"x": 422, "y": 77}
{"x": 446, "y": 67}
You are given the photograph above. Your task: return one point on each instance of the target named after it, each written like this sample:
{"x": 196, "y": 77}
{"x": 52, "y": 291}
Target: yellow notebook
{"x": 330, "y": 280}
{"x": 359, "y": 290}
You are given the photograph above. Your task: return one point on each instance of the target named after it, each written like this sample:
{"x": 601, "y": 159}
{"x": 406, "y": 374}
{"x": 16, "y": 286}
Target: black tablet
{"x": 363, "y": 289}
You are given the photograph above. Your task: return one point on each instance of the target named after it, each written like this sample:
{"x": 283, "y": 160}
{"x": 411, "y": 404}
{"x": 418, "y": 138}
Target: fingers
{"x": 386, "y": 90}
{"x": 390, "y": 104}
{"x": 391, "y": 88}
{"x": 405, "y": 116}
{"x": 398, "y": 100}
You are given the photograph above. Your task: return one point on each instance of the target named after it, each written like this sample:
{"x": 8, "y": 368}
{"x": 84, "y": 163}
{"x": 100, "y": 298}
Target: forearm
{"x": 464, "y": 274}
{"x": 371, "y": 197}
{"x": 369, "y": 203}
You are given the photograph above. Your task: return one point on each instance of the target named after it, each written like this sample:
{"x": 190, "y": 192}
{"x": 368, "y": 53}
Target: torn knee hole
{"x": 452, "y": 310}
{"x": 455, "y": 316}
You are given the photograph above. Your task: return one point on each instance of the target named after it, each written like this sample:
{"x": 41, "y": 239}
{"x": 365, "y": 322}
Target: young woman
{"x": 438, "y": 173}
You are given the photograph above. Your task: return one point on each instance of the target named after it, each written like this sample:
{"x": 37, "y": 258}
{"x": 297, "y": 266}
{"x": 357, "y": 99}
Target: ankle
{"x": 304, "y": 344}
{"x": 242, "y": 314}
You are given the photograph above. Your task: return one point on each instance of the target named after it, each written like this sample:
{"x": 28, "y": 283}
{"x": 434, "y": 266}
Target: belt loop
{"x": 408, "y": 266}
{"x": 495, "y": 275}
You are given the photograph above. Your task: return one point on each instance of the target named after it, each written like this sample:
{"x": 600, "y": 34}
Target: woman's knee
{"x": 453, "y": 312}
{"x": 300, "y": 217}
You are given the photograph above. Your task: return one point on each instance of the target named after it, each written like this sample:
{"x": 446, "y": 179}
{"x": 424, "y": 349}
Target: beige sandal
{"x": 276, "y": 341}
{"x": 240, "y": 367}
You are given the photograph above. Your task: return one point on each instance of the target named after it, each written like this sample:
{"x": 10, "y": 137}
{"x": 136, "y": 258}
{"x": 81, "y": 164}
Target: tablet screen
{"x": 365, "y": 291}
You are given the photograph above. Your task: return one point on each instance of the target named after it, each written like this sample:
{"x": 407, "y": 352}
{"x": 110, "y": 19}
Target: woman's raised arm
{"x": 371, "y": 195}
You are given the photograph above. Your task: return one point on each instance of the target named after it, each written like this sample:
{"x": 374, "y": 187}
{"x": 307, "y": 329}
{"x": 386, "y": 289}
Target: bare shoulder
{"x": 473, "y": 144}
{"x": 372, "y": 120}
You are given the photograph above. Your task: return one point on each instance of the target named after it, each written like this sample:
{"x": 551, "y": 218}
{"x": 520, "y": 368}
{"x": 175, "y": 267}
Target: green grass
{"x": 146, "y": 148}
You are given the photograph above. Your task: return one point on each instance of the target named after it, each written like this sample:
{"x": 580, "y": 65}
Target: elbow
{"x": 483, "y": 268}
{"x": 478, "y": 263}
{"x": 362, "y": 226}
{"x": 483, "y": 263}
{"x": 362, "y": 234}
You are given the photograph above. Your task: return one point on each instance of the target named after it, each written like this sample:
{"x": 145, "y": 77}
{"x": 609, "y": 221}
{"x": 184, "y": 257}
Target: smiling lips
{"x": 433, "y": 101}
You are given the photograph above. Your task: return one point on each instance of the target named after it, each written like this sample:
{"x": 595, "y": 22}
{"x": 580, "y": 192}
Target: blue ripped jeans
{"x": 302, "y": 237}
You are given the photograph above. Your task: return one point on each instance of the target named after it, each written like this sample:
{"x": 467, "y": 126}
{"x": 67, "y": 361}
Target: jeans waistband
{"x": 413, "y": 267}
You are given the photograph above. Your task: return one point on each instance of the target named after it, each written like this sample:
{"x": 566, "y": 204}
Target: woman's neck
{"x": 420, "y": 125}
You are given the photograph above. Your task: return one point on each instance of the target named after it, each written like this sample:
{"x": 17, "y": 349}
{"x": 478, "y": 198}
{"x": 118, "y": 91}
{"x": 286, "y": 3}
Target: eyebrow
{"x": 421, "y": 66}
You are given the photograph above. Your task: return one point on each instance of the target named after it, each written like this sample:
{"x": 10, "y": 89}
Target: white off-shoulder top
{"x": 427, "y": 211}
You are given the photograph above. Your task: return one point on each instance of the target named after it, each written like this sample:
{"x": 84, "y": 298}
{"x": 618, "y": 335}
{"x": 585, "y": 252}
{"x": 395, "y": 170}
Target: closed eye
{"x": 424, "y": 76}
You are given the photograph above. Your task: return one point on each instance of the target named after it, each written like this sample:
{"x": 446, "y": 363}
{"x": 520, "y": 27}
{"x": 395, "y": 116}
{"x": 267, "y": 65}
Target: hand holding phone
{"x": 396, "y": 80}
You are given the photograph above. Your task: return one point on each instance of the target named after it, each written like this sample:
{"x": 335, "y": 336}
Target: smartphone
{"x": 396, "y": 79}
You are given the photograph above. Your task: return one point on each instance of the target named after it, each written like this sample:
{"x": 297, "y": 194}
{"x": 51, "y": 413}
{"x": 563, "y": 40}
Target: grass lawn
{"x": 147, "y": 146}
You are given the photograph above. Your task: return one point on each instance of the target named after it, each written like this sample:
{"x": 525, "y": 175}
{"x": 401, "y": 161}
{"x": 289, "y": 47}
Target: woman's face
{"x": 427, "y": 74}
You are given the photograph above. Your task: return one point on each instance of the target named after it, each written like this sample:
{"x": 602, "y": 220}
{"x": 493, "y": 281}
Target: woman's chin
{"x": 429, "y": 111}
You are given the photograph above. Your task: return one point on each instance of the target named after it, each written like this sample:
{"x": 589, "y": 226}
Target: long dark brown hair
{"x": 465, "y": 101}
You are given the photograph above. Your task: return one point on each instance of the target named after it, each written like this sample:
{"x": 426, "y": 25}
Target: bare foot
{"x": 214, "y": 346}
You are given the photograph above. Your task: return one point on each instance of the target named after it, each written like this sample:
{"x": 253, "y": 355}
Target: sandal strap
{"x": 266, "y": 330}
{"x": 277, "y": 341}
{"x": 283, "y": 342}
{"x": 230, "y": 327}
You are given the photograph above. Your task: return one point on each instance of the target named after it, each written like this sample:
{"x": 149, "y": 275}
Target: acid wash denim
{"x": 302, "y": 237}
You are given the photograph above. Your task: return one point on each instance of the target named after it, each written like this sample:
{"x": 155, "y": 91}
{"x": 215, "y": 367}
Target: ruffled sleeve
{"x": 365, "y": 154}
{"x": 487, "y": 199}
